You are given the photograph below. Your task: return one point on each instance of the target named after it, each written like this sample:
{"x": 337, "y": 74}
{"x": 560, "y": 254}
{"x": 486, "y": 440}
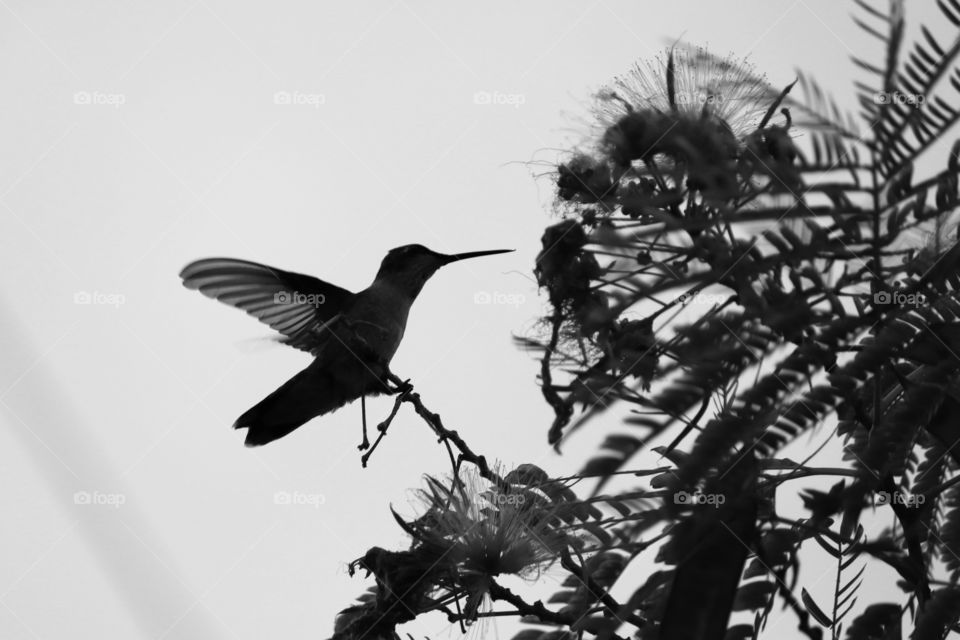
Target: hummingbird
{"x": 352, "y": 336}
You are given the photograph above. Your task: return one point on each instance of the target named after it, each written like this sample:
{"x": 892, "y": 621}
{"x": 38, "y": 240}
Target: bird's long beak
{"x": 473, "y": 254}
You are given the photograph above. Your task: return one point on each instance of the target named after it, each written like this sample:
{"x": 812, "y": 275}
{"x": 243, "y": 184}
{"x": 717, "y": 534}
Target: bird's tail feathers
{"x": 311, "y": 393}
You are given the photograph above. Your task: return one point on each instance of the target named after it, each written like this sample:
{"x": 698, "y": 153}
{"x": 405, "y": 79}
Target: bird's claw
{"x": 401, "y": 387}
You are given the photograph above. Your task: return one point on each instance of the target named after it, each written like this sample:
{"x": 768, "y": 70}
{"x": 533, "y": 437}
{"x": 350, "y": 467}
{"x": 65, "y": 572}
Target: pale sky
{"x": 139, "y": 136}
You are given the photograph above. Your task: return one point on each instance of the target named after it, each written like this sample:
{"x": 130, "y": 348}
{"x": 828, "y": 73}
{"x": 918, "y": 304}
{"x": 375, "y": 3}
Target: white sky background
{"x": 200, "y": 161}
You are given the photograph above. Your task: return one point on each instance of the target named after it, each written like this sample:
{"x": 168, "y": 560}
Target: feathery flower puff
{"x": 482, "y": 530}
{"x": 728, "y": 90}
{"x": 686, "y": 112}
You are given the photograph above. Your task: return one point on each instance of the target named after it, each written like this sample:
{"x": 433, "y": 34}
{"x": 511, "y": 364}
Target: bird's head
{"x": 410, "y": 266}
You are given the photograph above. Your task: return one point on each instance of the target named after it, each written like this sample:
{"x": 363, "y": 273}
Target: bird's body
{"x": 352, "y": 336}
{"x": 378, "y": 315}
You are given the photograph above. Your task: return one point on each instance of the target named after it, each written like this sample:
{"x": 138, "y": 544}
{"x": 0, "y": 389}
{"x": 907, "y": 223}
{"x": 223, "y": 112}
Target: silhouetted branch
{"x": 537, "y": 609}
{"x": 598, "y": 592}
{"x": 405, "y": 393}
{"x": 803, "y": 618}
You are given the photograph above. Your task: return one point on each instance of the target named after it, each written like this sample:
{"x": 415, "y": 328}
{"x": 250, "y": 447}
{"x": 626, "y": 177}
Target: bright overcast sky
{"x": 139, "y": 136}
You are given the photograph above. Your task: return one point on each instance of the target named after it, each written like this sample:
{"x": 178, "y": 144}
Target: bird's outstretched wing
{"x": 296, "y": 305}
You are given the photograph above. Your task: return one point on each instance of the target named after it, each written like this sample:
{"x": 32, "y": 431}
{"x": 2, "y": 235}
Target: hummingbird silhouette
{"x": 352, "y": 336}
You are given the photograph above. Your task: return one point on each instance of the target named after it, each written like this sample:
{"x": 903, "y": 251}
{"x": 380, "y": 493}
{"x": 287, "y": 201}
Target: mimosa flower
{"x": 728, "y": 91}
{"x": 687, "y": 112}
{"x": 487, "y": 530}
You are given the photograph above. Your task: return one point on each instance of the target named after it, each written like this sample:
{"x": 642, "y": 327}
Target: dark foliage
{"x": 736, "y": 267}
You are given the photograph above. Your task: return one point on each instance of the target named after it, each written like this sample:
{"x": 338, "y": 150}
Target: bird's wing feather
{"x": 296, "y": 305}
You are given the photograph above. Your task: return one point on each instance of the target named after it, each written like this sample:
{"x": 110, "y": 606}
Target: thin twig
{"x": 523, "y": 607}
{"x": 403, "y": 389}
{"x": 598, "y": 592}
{"x": 446, "y": 435}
